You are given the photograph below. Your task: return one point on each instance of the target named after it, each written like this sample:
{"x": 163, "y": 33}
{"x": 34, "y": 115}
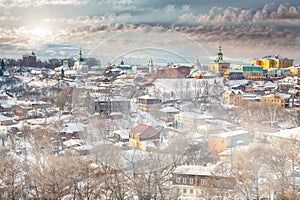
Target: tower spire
{"x": 80, "y": 53}
{"x": 220, "y": 54}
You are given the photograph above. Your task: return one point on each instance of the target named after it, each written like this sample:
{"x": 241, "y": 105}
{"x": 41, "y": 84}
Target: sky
{"x": 168, "y": 31}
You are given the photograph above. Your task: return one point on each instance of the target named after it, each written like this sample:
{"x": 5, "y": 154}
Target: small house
{"x": 5, "y": 120}
{"x": 141, "y": 133}
{"x": 232, "y": 96}
{"x": 218, "y": 143}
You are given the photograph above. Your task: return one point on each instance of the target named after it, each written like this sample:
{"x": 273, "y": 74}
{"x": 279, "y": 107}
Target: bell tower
{"x": 220, "y": 54}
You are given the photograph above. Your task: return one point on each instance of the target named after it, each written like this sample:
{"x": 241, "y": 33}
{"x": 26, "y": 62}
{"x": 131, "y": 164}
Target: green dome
{"x": 80, "y": 59}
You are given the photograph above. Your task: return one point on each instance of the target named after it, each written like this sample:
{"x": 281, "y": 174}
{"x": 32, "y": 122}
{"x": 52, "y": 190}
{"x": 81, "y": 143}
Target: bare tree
{"x": 282, "y": 159}
{"x": 248, "y": 170}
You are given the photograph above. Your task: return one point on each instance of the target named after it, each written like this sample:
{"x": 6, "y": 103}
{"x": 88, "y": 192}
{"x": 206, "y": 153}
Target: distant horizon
{"x": 108, "y": 30}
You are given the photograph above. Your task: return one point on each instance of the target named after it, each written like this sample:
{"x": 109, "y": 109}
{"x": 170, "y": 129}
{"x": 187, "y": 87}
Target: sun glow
{"x": 38, "y": 33}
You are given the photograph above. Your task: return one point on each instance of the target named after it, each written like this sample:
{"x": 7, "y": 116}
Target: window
{"x": 184, "y": 190}
{"x": 191, "y": 180}
{"x": 177, "y": 180}
{"x": 202, "y": 181}
{"x": 184, "y": 180}
{"x": 191, "y": 191}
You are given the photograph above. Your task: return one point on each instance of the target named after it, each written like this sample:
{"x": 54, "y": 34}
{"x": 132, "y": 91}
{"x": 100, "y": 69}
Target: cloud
{"x": 91, "y": 20}
{"x": 186, "y": 7}
{"x": 39, "y": 3}
{"x": 283, "y": 14}
{"x": 7, "y": 16}
{"x": 171, "y": 8}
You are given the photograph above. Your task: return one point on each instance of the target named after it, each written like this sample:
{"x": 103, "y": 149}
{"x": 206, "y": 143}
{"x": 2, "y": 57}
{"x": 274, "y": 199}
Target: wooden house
{"x": 141, "y": 133}
{"x": 5, "y": 120}
{"x": 201, "y": 182}
{"x": 149, "y": 103}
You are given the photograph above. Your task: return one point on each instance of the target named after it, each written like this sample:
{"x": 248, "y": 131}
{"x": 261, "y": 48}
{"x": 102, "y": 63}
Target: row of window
{"x": 202, "y": 192}
{"x": 191, "y": 180}
{"x": 274, "y": 100}
{"x": 191, "y": 191}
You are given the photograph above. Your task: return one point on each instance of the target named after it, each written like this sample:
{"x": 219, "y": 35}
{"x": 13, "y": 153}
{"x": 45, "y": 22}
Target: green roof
{"x": 80, "y": 59}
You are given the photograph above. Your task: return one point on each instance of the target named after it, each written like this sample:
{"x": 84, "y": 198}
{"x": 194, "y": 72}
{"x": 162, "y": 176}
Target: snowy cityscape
{"x": 117, "y": 106}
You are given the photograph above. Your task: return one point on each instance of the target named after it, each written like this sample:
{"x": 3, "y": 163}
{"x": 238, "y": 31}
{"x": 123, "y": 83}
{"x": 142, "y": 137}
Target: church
{"x": 219, "y": 65}
{"x": 80, "y": 64}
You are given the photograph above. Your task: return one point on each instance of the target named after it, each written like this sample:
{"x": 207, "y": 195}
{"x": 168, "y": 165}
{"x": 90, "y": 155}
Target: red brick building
{"x": 174, "y": 72}
{"x": 29, "y": 60}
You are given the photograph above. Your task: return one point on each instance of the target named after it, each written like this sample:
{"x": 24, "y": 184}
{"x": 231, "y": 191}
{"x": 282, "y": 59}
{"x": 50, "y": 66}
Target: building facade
{"x": 273, "y": 61}
{"x": 201, "y": 182}
{"x": 29, "y": 60}
{"x": 250, "y": 71}
{"x": 189, "y": 121}
{"x": 148, "y": 103}
{"x": 279, "y": 99}
{"x": 232, "y": 96}
{"x": 174, "y": 72}
{"x": 218, "y": 143}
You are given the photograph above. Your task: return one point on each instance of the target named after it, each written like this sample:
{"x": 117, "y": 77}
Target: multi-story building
{"x": 189, "y": 121}
{"x": 232, "y": 96}
{"x": 106, "y": 105}
{"x": 294, "y": 70}
{"x": 201, "y": 182}
{"x": 29, "y": 60}
{"x": 232, "y": 74}
{"x": 250, "y": 71}
{"x": 273, "y": 61}
{"x": 149, "y": 103}
{"x": 278, "y": 72}
{"x": 174, "y": 72}
{"x": 279, "y": 99}
{"x": 219, "y": 65}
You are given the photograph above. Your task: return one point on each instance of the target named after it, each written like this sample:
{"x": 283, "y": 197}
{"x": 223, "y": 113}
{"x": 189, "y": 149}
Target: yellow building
{"x": 232, "y": 96}
{"x": 273, "y": 62}
{"x": 279, "y": 99}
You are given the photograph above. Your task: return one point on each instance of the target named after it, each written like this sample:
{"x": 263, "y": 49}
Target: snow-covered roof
{"x": 230, "y": 133}
{"x": 293, "y": 133}
{"x": 73, "y": 127}
{"x": 235, "y": 71}
{"x": 191, "y": 115}
{"x": 169, "y": 109}
{"x": 232, "y": 91}
{"x": 274, "y": 57}
{"x": 196, "y": 170}
{"x": 6, "y": 105}
{"x": 122, "y": 133}
{"x": 72, "y": 143}
{"x": 83, "y": 147}
{"x": 285, "y": 96}
{"x": 147, "y": 96}
{"x": 237, "y": 148}
{"x": 4, "y": 118}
